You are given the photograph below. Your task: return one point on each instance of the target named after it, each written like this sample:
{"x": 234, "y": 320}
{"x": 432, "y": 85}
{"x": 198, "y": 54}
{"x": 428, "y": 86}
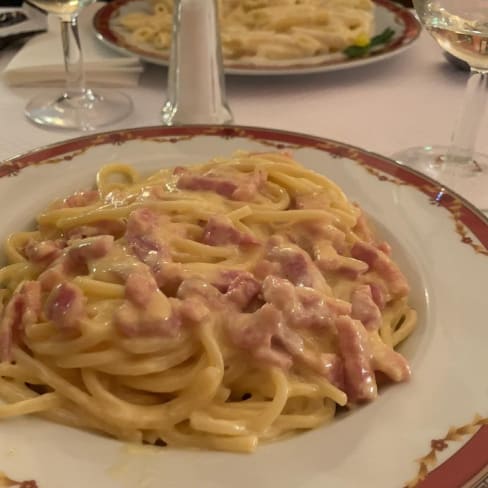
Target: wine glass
{"x": 461, "y": 29}
{"x": 78, "y": 107}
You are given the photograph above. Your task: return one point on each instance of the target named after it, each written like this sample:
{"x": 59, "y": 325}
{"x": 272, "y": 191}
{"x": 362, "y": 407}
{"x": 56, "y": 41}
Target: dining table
{"x": 412, "y": 98}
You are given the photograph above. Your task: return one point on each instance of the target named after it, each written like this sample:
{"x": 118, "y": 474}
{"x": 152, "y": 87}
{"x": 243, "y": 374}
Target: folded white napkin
{"x": 40, "y": 61}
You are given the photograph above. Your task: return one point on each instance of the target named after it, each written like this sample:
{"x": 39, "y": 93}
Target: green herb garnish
{"x": 360, "y": 51}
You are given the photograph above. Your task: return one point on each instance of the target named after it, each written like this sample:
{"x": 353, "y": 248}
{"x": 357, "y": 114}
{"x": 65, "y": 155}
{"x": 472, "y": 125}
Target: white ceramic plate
{"x": 410, "y": 430}
{"x": 387, "y": 14}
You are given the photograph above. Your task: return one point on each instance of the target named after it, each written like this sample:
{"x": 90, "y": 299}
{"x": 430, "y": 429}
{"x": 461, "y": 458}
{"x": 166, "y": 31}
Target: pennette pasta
{"x": 263, "y": 31}
{"x": 213, "y": 306}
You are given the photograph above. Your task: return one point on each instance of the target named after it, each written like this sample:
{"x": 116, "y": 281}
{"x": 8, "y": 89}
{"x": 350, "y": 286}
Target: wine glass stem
{"x": 467, "y": 127}
{"x": 73, "y": 57}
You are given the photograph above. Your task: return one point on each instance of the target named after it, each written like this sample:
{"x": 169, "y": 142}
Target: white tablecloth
{"x": 408, "y": 100}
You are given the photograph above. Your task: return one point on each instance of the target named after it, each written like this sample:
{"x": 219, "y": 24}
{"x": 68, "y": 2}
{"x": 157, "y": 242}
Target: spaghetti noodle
{"x": 213, "y": 306}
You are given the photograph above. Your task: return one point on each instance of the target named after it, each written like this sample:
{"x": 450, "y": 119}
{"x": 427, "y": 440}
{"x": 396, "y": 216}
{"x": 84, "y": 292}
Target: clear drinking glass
{"x": 461, "y": 28}
{"x": 77, "y": 107}
{"x": 196, "y": 83}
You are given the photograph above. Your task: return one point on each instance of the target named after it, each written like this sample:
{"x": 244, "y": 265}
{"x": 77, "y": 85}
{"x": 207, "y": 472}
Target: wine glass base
{"x": 470, "y": 180}
{"x": 84, "y": 112}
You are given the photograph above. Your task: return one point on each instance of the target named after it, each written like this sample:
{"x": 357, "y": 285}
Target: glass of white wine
{"x": 77, "y": 107}
{"x": 461, "y": 28}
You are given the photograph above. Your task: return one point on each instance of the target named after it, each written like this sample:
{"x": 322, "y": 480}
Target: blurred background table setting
{"x": 408, "y": 96}
{"x": 39, "y": 62}
{"x": 378, "y": 105}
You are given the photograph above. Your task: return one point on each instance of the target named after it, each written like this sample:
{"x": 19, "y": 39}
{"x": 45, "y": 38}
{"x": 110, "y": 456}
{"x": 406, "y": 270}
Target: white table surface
{"x": 408, "y": 100}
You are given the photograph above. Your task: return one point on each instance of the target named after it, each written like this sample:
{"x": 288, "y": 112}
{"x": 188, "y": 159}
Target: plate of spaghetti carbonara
{"x": 228, "y": 297}
{"x": 270, "y": 36}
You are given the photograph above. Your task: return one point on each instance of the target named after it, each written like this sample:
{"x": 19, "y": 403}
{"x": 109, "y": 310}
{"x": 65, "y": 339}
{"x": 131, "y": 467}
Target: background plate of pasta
{"x": 270, "y": 36}
{"x": 214, "y": 306}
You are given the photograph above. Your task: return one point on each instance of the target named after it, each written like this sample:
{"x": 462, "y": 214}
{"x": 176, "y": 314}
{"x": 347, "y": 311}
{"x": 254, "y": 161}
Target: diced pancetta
{"x": 242, "y": 290}
{"x": 365, "y": 252}
{"x": 264, "y": 268}
{"x": 202, "y": 290}
{"x": 53, "y": 276}
{"x": 139, "y": 288}
{"x": 266, "y": 336}
{"x": 222, "y": 279}
{"x": 74, "y": 260}
{"x": 379, "y": 295}
{"x": 80, "y": 253}
{"x": 146, "y": 311}
{"x": 209, "y": 182}
{"x": 301, "y": 306}
{"x": 81, "y": 199}
{"x": 243, "y": 187}
{"x": 220, "y": 231}
{"x": 354, "y": 348}
{"x": 145, "y": 238}
{"x": 364, "y": 308}
{"x": 191, "y": 309}
{"x": 22, "y": 310}
{"x": 296, "y": 264}
{"x": 378, "y": 261}
{"x": 65, "y": 306}
{"x": 254, "y": 333}
{"x": 327, "y": 245}
{"x": 248, "y": 186}
{"x": 91, "y": 248}
{"x": 43, "y": 252}
{"x": 237, "y": 293}
{"x": 338, "y": 306}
